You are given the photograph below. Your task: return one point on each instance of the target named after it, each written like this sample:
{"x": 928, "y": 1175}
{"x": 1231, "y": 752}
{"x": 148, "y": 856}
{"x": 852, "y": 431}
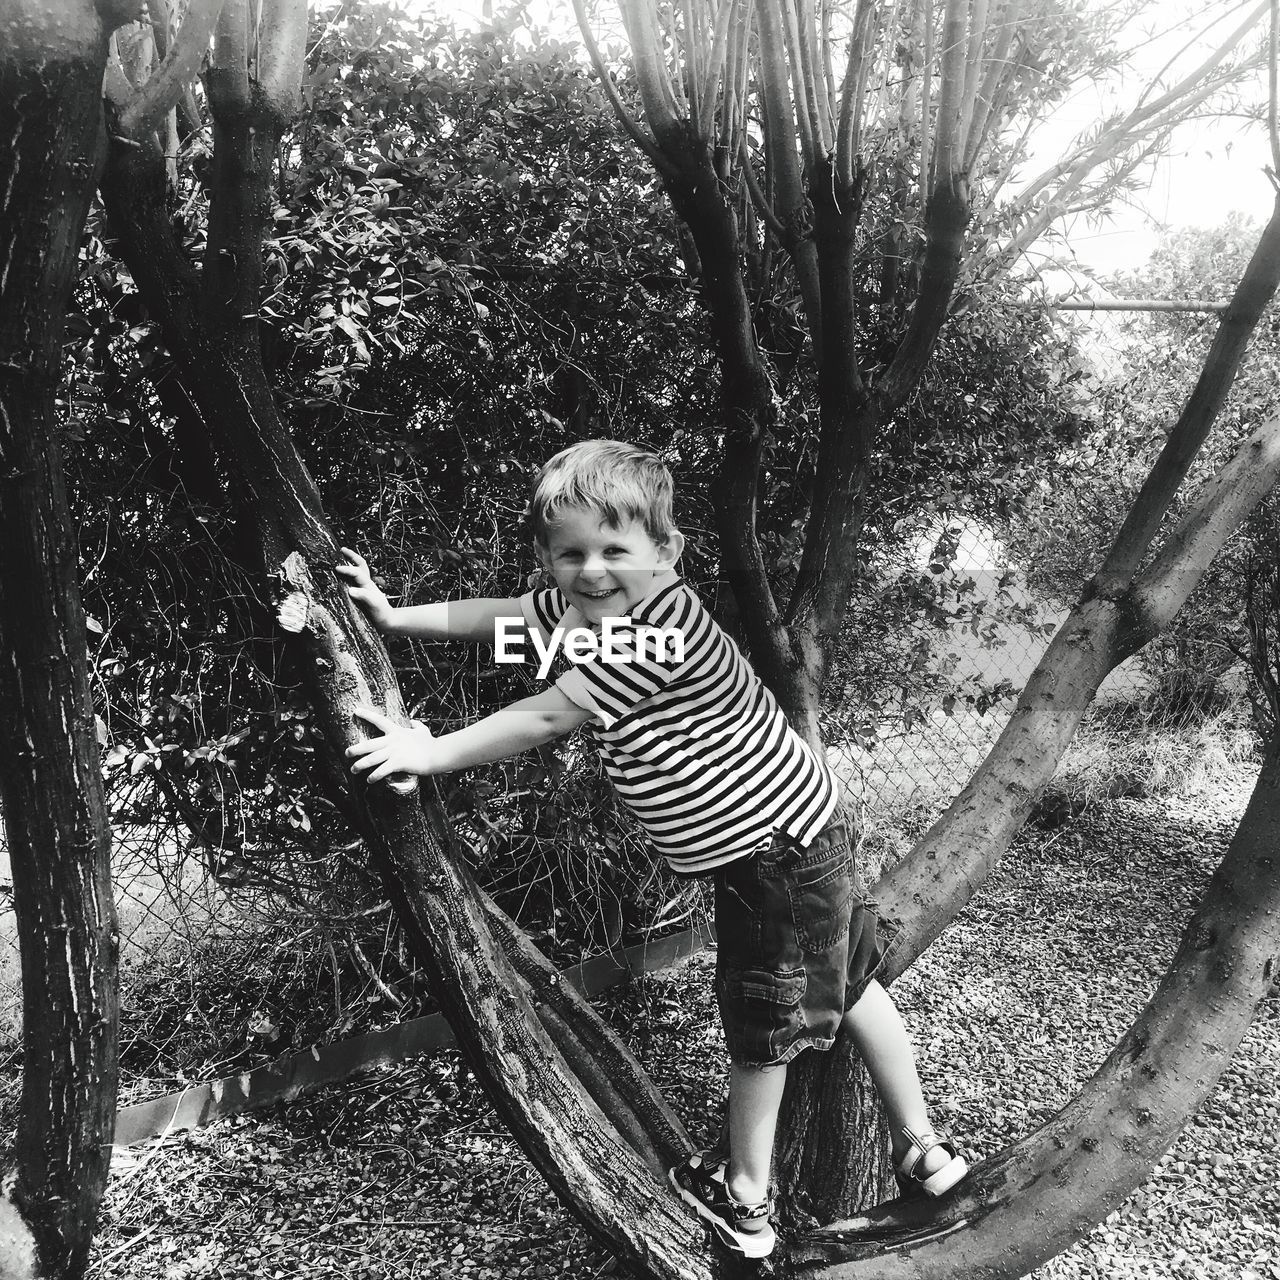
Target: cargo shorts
{"x": 797, "y": 942}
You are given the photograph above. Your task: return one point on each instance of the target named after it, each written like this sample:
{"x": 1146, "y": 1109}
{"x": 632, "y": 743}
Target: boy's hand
{"x": 401, "y": 750}
{"x": 362, "y": 589}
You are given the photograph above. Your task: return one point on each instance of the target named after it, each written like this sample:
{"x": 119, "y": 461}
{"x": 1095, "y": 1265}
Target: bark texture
{"x": 52, "y": 56}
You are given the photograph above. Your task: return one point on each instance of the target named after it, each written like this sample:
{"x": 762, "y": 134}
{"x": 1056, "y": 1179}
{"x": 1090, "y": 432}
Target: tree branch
{"x": 781, "y": 121}
{"x": 1252, "y": 295}
{"x": 995, "y": 88}
{"x": 1151, "y": 116}
{"x": 656, "y": 91}
{"x": 604, "y": 1181}
{"x": 973, "y": 69}
{"x": 946, "y": 160}
{"x": 644, "y": 141}
{"x": 810, "y": 80}
{"x": 1018, "y": 1209}
{"x": 1218, "y": 511}
{"x": 853, "y": 91}
{"x": 926, "y": 106}
{"x": 1273, "y": 90}
{"x": 227, "y": 82}
{"x": 169, "y": 81}
{"x": 931, "y": 885}
{"x": 758, "y": 197}
{"x": 281, "y": 48}
{"x": 715, "y": 68}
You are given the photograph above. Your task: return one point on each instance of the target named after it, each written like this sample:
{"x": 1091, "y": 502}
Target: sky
{"x": 1215, "y": 166}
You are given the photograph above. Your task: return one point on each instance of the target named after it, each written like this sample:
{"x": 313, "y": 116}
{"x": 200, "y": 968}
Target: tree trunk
{"x": 747, "y": 414}
{"x": 852, "y": 416}
{"x": 608, "y": 1182}
{"x": 52, "y": 57}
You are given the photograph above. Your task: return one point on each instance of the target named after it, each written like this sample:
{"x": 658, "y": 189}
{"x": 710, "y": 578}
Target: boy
{"x": 700, "y": 752}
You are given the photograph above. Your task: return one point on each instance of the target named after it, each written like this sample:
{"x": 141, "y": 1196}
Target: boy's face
{"x": 604, "y": 570}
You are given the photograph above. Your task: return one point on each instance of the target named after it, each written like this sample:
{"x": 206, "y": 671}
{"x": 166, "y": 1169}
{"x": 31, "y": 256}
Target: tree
{"x": 451, "y": 295}
{"x": 52, "y": 56}
{"x": 587, "y": 1116}
{"x": 761, "y": 145}
{"x": 553, "y": 1069}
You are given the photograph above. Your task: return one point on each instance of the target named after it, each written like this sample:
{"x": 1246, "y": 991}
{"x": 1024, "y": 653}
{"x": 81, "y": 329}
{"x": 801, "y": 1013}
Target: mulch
{"x": 407, "y": 1173}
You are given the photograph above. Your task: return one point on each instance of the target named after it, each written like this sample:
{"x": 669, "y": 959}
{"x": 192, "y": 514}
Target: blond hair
{"x": 619, "y": 481}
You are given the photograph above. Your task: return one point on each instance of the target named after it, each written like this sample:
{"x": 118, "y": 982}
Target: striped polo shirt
{"x": 692, "y": 740}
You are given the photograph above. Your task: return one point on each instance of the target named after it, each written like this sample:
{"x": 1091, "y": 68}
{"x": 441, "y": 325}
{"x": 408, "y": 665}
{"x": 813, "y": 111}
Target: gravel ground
{"x": 407, "y": 1173}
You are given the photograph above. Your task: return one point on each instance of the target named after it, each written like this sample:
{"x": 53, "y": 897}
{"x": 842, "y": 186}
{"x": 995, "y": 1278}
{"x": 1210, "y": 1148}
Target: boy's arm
{"x": 474, "y": 619}
{"x": 448, "y": 620}
{"x": 524, "y": 724}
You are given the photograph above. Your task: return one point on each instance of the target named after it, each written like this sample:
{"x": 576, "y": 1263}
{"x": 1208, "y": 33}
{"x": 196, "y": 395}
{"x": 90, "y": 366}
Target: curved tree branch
{"x": 758, "y": 198}
{"x": 606, "y": 1182}
{"x": 656, "y": 91}
{"x": 1021, "y": 1207}
{"x": 928, "y": 888}
{"x": 1252, "y": 295}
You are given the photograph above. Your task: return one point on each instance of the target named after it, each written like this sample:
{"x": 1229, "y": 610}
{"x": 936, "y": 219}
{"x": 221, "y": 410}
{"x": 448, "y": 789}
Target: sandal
{"x": 912, "y": 1180}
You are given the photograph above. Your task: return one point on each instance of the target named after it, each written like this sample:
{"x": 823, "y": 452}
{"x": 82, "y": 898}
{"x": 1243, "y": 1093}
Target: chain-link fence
{"x": 931, "y": 754}
{"x": 175, "y": 918}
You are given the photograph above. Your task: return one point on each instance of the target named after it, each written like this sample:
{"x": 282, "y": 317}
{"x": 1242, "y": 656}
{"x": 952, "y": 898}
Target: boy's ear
{"x": 544, "y": 556}
{"x": 669, "y": 552}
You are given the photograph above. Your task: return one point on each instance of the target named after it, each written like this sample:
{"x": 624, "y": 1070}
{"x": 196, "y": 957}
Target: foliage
{"x": 469, "y": 269}
{"x": 464, "y": 277}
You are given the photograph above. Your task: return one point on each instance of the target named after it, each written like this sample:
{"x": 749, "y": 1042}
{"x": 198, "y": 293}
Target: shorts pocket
{"x": 785, "y": 987}
{"x": 762, "y": 1011}
{"x": 821, "y": 895}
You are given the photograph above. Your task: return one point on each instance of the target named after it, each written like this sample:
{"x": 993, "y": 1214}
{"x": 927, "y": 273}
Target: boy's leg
{"x": 733, "y": 1197}
{"x": 882, "y": 1040}
{"x": 755, "y": 1095}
